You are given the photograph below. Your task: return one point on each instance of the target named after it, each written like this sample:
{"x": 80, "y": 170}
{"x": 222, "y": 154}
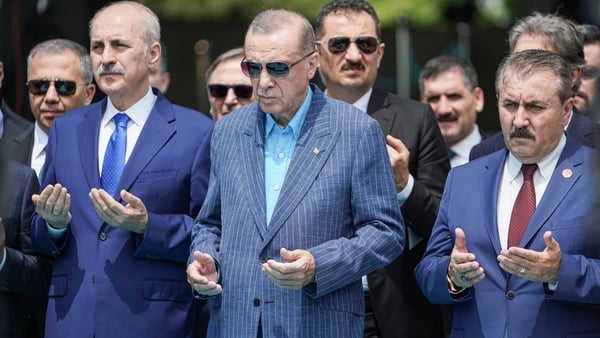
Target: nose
{"x": 443, "y": 106}
{"x": 108, "y": 55}
{"x": 51, "y": 95}
{"x": 353, "y": 53}
{"x": 521, "y": 118}
{"x": 264, "y": 79}
{"x": 231, "y": 98}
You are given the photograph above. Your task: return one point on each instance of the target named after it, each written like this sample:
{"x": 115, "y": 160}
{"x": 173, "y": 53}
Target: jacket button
{"x": 256, "y": 302}
{"x": 103, "y": 236}
{"x": 510, "y": 295}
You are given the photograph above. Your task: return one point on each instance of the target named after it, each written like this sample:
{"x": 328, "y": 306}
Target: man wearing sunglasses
{"x": 587, "y": 100}
{"x": 350, "y": 49}
{"x": 59, "y": 78}
{"x": 124, "y": 179}
{"x": 300, "y": 201}
{"x": 228, "y": 88}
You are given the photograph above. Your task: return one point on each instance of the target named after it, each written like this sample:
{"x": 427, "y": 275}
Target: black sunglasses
{"x": 275, "y": 69}
{"x": 219, "y": 91}
{"x": 339, "y": 44}
{"x": 62, "y": 87}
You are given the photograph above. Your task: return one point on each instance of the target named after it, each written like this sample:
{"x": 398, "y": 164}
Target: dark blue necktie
{"x": 114, "y": 158}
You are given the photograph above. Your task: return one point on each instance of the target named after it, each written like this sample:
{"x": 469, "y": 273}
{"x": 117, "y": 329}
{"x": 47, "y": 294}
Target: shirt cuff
{"x": 3, "y": 259}
{"x": 54, "y": 233}
{"x": 403, "y": 195}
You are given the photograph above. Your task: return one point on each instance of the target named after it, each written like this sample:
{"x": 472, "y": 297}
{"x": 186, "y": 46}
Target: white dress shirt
{"x": 38, "y": 153}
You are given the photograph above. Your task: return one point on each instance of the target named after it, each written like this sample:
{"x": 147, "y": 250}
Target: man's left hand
{"x": 533, "y": 265}
{"x": 132, "y": 217}
{"x": 294, "y": 275}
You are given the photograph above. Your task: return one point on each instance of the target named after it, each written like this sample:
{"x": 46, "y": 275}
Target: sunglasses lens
{"x": 65, "y": 87}
{"x": 278, "y": 69}
{"x": 338, "y": 45}
{"x": 367, "y": 44}
{"x": 243, "y": 91}
{"x": 40, "y": 87}
{"x": 251, "y": 69}
{"x": 218, "y": 91}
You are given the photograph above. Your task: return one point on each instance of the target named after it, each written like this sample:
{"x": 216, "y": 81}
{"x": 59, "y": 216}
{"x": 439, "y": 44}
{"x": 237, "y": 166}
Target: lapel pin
{"x": 316, "y": 151}
{"x": 567, "y": 173}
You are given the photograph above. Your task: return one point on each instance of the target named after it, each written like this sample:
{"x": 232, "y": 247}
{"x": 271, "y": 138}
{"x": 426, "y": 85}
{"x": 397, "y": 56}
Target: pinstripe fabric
{"x": 338, "y": 202}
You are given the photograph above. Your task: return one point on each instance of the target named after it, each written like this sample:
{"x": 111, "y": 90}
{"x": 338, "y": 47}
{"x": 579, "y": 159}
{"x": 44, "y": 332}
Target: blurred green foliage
{"x": 421, "y": 13}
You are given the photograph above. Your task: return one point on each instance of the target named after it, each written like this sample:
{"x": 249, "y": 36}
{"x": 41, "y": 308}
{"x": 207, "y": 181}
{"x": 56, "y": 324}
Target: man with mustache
{"x": 558, "y": 35}
{"x": 124, "y": 179}
{"x": 449, "y": 85}
{"x": 513, "y": 248}
{"x": 350, "y": 49}
{"x": 59, "y": 78}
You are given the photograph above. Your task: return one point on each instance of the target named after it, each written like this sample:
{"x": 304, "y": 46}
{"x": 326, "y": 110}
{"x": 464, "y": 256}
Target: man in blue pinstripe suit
{"x": 301, "y": 200}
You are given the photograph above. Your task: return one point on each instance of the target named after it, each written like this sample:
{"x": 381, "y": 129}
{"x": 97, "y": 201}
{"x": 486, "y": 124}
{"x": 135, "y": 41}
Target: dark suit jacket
{"x": 582, "y": 128}
{"x": 109, "y": 282}
{"x": 25, "y": 278}
{"x": 17, "y": 139}
{"x": 400, "y": 308}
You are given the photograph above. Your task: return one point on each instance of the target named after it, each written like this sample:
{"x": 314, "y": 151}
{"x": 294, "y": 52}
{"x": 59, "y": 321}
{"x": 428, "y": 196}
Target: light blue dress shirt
{"x": 279, "y": 148}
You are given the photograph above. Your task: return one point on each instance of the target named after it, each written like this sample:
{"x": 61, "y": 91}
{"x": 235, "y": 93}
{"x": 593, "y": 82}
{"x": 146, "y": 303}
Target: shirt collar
{"x": 545, "y": 166}
{"x": 363, "y": 102}
{"x": 463, "y": 147}
{"x": 40, "y": 139}
{"x": 138, "y": 113}
{"x": 297, "y": 121}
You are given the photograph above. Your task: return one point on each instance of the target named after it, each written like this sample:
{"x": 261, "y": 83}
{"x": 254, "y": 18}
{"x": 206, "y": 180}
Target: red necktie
{"x": 524, "y": 206}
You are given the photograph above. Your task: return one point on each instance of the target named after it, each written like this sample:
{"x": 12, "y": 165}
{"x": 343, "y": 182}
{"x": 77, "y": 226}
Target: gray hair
{"x": 527, "y": 63}
{"x": 150, "y": 29}
{"x": 230, "y": 54}
{"x": 444, "y": 63}
{"x": 557, "y": 31}
{"x": 272, "y": 20}
{"x": 59, "y": 46}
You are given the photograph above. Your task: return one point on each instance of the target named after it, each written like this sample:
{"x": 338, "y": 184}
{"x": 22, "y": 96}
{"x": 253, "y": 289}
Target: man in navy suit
{"x": 513, "y": 248}
{"x": 11, "y": 124}
{"x": 24, "y": 276}
{"x": 559, "y": 35}
{"x": 301, "y": 201}
{"x": 121, "y": 253}
{"x": 350, "y": 47}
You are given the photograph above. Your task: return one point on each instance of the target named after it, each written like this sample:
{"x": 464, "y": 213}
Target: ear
{"x": 567, "y": 111}
{"x": 479, "y": 99}
{"x": 90, "y": 90}
{"x": 154, "y": 53}
{"x": 313, "y": 64}
{"x": 380, "y": 53}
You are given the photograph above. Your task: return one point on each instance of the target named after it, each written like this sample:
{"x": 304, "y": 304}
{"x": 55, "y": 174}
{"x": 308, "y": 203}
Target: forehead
{"x": 350, "y": 23}
{"x": 592, "y": 54}
{"x": 229, "y": 72}
{"x": 281, "y": 44}
{"x": 64, "y": 65}
{"x": 538, "y": 87}
{"x": 453, "y": 78}
{"x": 529, "y": 41}
{"x": 116, "y": 22}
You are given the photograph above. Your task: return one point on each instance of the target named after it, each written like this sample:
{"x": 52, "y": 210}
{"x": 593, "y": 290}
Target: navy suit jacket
{"x": 337, "y": 201}
{"x": 502, "y": 300}
{"x": 25, "y": 277}
{"x": 581, "y": 127}
{"x": 110, "y": 282}
{"x": 400, "y": 307}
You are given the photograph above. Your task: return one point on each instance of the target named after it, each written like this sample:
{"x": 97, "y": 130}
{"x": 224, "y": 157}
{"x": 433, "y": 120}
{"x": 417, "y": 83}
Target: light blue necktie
{"x": 114, "y": 158}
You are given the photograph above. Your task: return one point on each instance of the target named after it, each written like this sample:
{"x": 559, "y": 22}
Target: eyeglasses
{"x": 275, "y": 69}
{"x": 339, "y": 44}
{"x": 62, "y": 87}
{"x": 219, "y": 91}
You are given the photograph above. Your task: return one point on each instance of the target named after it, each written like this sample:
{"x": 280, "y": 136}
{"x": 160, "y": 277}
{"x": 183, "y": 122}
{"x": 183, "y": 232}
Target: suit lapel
{"x": 254, "y": 165}
{"x": 563, "y": 178}
{"x": 156, "y": 132}
{"x": 312, "y": 151}
{"x": 88, "y": 146}
{"x": 489, "y": 184}
{"x": 377, "y": 102}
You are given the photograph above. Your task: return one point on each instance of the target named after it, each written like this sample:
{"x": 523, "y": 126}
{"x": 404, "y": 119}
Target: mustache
{"x": 446, "y": 117}
{"x": 522, "y": 133}
{"x": 353, "y": 65}
{"x": 110, "y": 68}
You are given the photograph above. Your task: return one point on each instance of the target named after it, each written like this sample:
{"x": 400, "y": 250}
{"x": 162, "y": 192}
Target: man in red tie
{"x": 513, "y": 248}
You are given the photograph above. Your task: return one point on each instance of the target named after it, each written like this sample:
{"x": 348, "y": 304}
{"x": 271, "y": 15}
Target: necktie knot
{"x": 528, "y": 170}
{"x": 121, "y": 120}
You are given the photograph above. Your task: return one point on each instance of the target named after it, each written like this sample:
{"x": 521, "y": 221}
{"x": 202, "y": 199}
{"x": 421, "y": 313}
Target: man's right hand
{"x": 53, "y": 205}
{"x": 202, "y": 275}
